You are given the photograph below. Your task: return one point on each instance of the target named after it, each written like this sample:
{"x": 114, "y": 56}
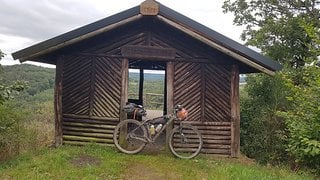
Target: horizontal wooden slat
{"x": 86, "y": 129}
{"x": 90, "y": 117}
{"x": 216, "y": 151}
{"x": 73, "y": 124}
{"x": 86, "y": 139}
{"x": 90, "y": 121}
{"x": 216, "y": 137}
{"x": 182, "y": 145}
{"x": 85, "y": 134}
{"x": 185, "y": 149}
{"x": 217, "y": 141}
{"x": 206, "y": 132}
{"x": 214, "y": 128}
{"x": 216, "y": 146}
{"x": 206, "y": 141}
{"x": 85, "y": 143}
{"x": 199, "y": 123}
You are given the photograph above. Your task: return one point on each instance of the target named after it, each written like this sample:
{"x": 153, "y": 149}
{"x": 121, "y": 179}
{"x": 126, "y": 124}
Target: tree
{"x": 288, "y": 32}
{"x": 274, "y": 27}
{"x": 303, "y": 117}
{"x": 1, "y": 56}
{"x": 6, "y": 90}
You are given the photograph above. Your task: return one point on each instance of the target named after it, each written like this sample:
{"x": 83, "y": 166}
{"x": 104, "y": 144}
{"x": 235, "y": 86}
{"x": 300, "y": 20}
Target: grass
{"x": 96, "y": 162}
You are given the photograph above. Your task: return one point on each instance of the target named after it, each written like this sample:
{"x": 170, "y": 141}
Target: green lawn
{"x": 96, "y": 162}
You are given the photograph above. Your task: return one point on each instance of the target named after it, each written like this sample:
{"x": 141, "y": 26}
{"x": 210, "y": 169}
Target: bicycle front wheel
{"x": 185, "y": 141}
{"x": 129, "y": 136}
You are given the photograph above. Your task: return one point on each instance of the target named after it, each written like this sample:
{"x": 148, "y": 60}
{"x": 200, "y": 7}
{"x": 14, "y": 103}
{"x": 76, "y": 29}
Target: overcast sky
{"x": 26, "y": 22}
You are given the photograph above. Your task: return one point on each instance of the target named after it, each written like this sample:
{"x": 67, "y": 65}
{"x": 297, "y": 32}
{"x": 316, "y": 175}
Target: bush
{"x": 303, "y": 118}
{"x": 263, "y": 133}
{"x": 11, "y": 128}
{"x": 26, "y": 125}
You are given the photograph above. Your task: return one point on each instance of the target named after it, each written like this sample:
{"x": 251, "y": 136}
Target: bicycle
{"x": 131, "y": 136}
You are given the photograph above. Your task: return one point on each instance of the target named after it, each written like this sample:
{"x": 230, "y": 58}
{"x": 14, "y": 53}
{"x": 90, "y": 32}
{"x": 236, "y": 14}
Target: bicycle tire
{"x": 185, "y": 146}
{"x": 129, "y": 145}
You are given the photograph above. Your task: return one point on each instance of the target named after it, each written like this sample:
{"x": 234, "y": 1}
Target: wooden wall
{"x": 204, "y": 89}
{"x": 90, "y": 99}
{"x": 90, "y": 86}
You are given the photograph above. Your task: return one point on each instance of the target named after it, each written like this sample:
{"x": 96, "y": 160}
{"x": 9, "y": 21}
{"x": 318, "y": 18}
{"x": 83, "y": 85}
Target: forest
{"x": 26, "y": 109}
{"x": 280, "y": 115}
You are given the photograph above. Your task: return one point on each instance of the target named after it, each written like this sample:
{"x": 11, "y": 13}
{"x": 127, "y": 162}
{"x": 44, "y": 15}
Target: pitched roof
{"x": 167, "y": 15}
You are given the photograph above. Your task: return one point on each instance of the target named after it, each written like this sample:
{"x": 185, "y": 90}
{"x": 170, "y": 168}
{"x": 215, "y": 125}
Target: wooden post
{"x": 141, "y": 101}
{"x": 124, "y": 97}
{"x": 58, "y": 102}
{"x": 235, "y": 112}
{"x": 170, "y": 80}
{"x": 124, "y": 89}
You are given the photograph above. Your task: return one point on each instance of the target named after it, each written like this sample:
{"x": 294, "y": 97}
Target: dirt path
{"x": 143, "y": 172}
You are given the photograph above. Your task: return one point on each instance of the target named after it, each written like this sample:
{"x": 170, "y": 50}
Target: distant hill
{"x": 40, "y": 78}
{"x": 37, "y": 78}
{"x": 147, "y": 76}
{"x": 160, "y": 77}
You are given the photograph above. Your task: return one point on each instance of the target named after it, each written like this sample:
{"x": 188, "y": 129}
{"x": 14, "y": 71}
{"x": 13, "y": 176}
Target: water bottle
{"x": 152, "y": 130}
{"x": 158, "y": 128}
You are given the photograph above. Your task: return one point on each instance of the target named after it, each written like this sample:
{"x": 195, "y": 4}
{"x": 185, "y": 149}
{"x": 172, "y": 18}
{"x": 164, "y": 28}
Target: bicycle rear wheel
{"x": 129, "y": 136}
{"x": 185, "y": 141}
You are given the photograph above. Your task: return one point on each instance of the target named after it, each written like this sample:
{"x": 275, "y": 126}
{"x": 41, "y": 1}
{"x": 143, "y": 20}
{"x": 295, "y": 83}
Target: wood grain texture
{"x": 107, "y": 87}
{"x": 216, "y": 137}
{"x": 87, "y": 130}
{"x": 76, "y": 85}
{"x": 187, "y": 88}
{"x": 235, "y": 112}
{"x": 217, "y": 93}
{"x": 58, "y": 102}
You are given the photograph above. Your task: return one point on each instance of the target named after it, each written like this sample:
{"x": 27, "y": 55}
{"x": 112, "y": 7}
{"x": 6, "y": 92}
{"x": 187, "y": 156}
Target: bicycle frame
{"x": 138, "y": 134}
{"x": 146, "y": 123}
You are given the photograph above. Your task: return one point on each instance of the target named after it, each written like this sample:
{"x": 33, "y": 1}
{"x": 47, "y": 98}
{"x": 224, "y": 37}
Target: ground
{"x": 85, "y": 160}
{"x": 98, "y": 162}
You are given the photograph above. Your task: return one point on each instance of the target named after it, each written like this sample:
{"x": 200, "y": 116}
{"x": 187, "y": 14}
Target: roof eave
{"x": 167, "y": 15}
{"x": 77, "y": 35}
{"x": 217, "y": 46}
{"x": 220, "y": 41}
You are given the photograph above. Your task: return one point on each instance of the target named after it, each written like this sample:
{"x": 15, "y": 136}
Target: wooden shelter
{"x": 201, "y": 72}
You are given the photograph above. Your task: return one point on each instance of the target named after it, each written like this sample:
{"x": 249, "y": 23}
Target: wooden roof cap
{"x": 149, "y": 8}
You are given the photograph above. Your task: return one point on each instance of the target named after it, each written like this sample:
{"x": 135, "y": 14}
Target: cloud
{"x": 24, "y": 23}
{"x": 41, "y": 19}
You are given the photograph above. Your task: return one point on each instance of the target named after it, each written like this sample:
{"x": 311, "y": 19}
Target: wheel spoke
{"x": 129, "y": 136}
{"x": 185, "y": 142}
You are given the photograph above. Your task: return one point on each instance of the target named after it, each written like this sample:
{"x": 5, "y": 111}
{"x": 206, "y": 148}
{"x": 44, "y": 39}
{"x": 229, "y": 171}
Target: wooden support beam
{"x": 148, "y": 52}
{"x": 141, "y": 80}
{"x": 58, "y": 102}
{"x": 124, "y": 85}
{"x": 235, "y": 112}
{"x": 170, "y": 105}
{"x": 124, "y": 97}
